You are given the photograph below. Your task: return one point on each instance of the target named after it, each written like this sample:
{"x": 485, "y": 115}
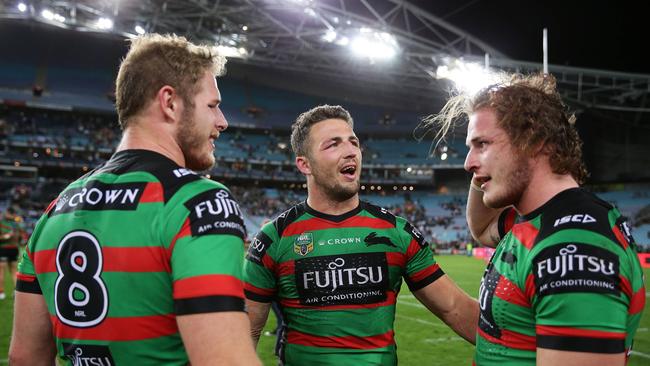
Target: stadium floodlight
{"x": 374, "y": 45}
{"x": 139, "y": 30}
{"x": 104, "y": 23}
{"x": 22, "y": 7}
{"x": 244, "y": 28}
{"x": 342, "y": 41}
{"x": 232, "y": 52}
{"x": 468, "y": 77}
{"x": 47, "y": 14}
{"x": 443, "y": 156}
{"x": 330, "y": 36}
{"x": 310, "y": 12}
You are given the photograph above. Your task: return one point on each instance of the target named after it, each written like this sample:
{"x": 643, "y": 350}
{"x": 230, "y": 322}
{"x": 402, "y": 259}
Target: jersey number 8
{"x": 80, "y": 295}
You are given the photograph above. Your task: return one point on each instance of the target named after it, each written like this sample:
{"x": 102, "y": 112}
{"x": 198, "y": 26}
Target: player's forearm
{"x": 480, "y": 218}
{"x": 463, "y": 319}
{"x": 258, "y": 313}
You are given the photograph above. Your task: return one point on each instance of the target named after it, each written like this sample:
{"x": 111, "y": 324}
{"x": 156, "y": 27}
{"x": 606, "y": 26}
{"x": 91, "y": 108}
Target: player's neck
{"x": 322, "y": 203}
{"x": 141, "y": 136}
{"x": 543, "y": 186}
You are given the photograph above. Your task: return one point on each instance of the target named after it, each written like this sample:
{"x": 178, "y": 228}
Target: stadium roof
{"x": 313, "y": 38}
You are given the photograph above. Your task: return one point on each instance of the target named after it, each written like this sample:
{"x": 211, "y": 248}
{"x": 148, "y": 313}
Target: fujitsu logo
{"x": 79, "y": 360}
{"x": 222, "y": 204}
{"x": 336, "y": 276}
{"x": 88, "y": 355}
{"x": 569, "y": 260}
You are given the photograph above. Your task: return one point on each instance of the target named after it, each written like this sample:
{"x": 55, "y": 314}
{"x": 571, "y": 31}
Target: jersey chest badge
{"x": 303, "y": 244}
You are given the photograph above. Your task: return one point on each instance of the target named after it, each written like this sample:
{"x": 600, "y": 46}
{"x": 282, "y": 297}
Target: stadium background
{"x": 57, "y": 119}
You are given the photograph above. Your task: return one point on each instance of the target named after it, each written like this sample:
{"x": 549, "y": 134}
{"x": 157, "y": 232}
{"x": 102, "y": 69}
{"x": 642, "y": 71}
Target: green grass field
{"x": 422, "y": 339}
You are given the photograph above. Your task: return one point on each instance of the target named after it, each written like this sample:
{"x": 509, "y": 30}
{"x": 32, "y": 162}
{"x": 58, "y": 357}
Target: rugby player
{"x": 336, "y": 263}
{"x": 564, "y": 286}
{"x": 139, "y": 261}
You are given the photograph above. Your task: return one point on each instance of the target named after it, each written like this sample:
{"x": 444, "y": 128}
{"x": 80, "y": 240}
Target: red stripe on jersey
{"x": 550, "y": 330}
{"x": 349, "y": 342}
{"x": 512, "y": 340}
{"x": 116, "y": 259}
{"x": 420, "y": 275}
{"x": 286, "y": 268}
{"x": 637, "y": 304}
{"x": 510, "y": 292}
{"x": 619, "y": 235}
{"x": 135, "y": 259}
{"x": 268, "y": 262}
{"x": 25, "y": 277}
{"x": 208, "y": 285}
{"x": 320, "y": 224}
{"x": 295, "y": 303}
{"x": 183, "y": 232}
{"x": 396, "y": 259}
{"x": 259, "y": 290}
{"x": 530, "y": 288}
{"x": 44, "y": 261}
{"x": 509, "y": 220}
{"x": 413, "y": 248}
{"x": 120, "y": 329}
{"x": 50, "y": 206}
{"x": 525, "y": 233}
{"x": 153, "y": 192}
{"x": 30, "y": 255}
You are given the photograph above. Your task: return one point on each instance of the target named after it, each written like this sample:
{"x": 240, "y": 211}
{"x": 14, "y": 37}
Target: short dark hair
{"x": 300, "y": 129}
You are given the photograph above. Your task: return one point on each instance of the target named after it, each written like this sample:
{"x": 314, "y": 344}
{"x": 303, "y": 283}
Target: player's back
{"x": 102, "y": 255}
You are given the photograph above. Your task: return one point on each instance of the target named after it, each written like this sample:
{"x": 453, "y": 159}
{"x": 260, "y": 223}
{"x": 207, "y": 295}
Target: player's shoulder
{"x": 286, "y": 218}
{"x": 575, "y": 213}
{"x": 381, "y": 213}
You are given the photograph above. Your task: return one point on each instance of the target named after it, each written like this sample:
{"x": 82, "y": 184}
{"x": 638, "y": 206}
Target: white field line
{"x": 640, "y": 354}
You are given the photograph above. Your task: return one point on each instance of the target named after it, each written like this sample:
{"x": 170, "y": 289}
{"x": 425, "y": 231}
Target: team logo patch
{"x": 360, "y": 278}
{"x": 86, "y": 354}
{"x": 303, "y": 244}
{"x": 215, "y": 212}
{"x": 573, "y": 267}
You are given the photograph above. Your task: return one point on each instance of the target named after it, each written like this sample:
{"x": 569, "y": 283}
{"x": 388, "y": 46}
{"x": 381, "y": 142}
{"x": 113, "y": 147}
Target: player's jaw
{"x": 197, "y": 145}
{"x": 505, "y": 182}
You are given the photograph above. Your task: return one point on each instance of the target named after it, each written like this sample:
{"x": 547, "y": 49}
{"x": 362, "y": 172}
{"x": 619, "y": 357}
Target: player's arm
{"x": 258, "y": 313}
{"x": 217, "y": 338}
{"x": 483, "y": 222}
{"x": 551, "y": 357}
{"x": 452, "y": 305}
{"x": 31, "y": 342}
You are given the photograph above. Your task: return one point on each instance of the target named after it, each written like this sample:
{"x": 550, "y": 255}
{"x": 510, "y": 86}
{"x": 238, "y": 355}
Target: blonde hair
{"x": 531, "y": 112}
{"x": 154, "y": 61}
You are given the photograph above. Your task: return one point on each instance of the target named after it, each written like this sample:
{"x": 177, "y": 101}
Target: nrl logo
{"x": 304, "y": 244}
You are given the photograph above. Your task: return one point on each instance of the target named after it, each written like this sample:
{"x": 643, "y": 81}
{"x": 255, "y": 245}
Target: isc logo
{"x": 580, "y": 218}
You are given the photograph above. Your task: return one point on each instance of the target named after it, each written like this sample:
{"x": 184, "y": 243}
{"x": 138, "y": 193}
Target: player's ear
{"x": 302, "y": 163}
{"x": 169, "y": 102}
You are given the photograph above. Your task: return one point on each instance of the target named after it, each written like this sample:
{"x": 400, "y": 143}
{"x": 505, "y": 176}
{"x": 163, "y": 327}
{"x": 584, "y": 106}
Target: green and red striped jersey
{"x": 124, "y": 250}
{"x": 565, "y": 277}
{"x": 337, "y": 279}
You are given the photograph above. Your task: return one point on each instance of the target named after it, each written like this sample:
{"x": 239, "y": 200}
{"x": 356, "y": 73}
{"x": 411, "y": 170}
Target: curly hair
{"x": 531, "y": 112}
{"x": 300, "y": 129}
{"x": 154, "y": 61}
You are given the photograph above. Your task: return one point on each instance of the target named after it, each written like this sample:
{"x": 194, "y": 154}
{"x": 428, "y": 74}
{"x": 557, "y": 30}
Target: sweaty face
{"x": 335, "y": 159}
{"x": 502, "y": 172}
{"x": 201, "y": 125}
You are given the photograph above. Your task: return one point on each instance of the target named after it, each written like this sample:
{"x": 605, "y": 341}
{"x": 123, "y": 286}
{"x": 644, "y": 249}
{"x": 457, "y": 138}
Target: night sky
{"x": 608, "y": 35}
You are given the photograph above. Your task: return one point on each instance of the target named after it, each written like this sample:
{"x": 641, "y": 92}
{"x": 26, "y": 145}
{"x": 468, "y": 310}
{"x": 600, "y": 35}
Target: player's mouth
{"x": 349, "y": 171}
{"x": 213, "y": 138}
{"x": 482, "y": 180}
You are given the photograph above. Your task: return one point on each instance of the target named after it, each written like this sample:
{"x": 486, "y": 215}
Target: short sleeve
{"x": 421, "y": 267}
{"x": 259, "y": 267}
{"x": 204, "y": 232}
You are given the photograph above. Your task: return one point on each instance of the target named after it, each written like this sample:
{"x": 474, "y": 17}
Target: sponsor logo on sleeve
{"x": 570, "y": 267}
{"x": 181, "y": 172}
{"x": 416, "y": 234}
{"x": 88, "y": 355}
{"x": 215, "y": 212}
{"x": 258, "y": 247}
{"x": 627, "y": 233}
{"x": 98, "y": 196}
{"x": 303, "y": 244}
{"x": 486, "y": 292}
{"x": 360, "y": 278}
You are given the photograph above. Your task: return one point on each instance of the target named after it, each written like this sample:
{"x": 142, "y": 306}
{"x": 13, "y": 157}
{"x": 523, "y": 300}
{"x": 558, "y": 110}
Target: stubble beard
{"x": 334, "y": 190}
{"x": 191, "y": 142}
{"x": 515, "y": 183}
